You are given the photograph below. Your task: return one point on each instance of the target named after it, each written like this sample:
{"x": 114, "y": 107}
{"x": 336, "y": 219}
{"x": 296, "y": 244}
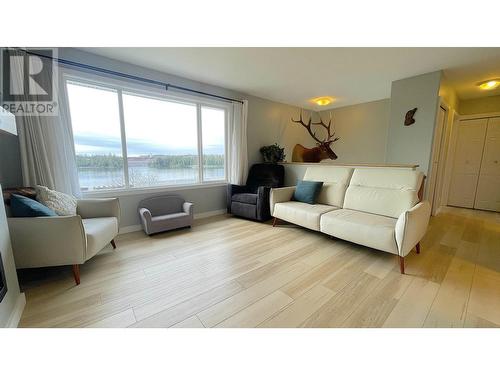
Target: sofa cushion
{"x": 383, "y": 191}
{"x": 303, "y": 214}
{"x": 62, "y": 204}
{"x": 169, "y": 216}
{"x": 335, "y": 181}
{"x": 366, "y": 229}
{"x": 307, "y": 191}
{"x": 25, "y": 207}
{"x": 99, "y": 232}
{"x": 245, "y": 198}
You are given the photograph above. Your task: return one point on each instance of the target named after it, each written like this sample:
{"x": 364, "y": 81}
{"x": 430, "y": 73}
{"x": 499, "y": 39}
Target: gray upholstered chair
{"x": 165, "y": 212}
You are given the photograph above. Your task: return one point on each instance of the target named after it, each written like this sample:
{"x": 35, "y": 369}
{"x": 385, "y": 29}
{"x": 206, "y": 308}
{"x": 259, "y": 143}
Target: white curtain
{"x": 238, "y": 155}
{"x": 47, "y": 150}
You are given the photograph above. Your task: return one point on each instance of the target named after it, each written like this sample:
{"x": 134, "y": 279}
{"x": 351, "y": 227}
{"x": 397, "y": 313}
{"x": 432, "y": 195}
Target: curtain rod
{"x": 128, "y": 76}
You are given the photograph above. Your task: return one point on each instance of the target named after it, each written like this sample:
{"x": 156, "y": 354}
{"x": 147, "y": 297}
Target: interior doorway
{"x": 438, "y": 155}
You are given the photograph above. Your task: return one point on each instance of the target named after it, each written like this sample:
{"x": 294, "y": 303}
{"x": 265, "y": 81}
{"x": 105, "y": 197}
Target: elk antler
{"x": 327, "y": 127}
{"x": 308, "y": 127}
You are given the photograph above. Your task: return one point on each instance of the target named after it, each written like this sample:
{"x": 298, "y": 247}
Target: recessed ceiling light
{"x": 490, "y": 84}
{"x": 323, "y": 100}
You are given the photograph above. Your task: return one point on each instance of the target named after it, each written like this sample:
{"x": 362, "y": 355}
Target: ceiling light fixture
{"x": 322, "y": 101}
{"x": 489, "y": 84}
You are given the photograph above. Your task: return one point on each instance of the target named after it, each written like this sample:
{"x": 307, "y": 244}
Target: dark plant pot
{"x": 271, "y": 160}
{"x": 272, "y": 154}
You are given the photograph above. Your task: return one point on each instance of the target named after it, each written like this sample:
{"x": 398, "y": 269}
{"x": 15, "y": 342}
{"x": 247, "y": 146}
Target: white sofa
{"x": 375, "y": 207}
{"x": 65, "y": 240}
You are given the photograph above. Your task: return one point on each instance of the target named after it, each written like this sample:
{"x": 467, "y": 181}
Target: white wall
{"x": 362, "y": 129}
{"x": 413, "y": 144}
{"x": 13, "y": 296}
{"x": 269, "y": 123}
{"x": 480, "y": 105}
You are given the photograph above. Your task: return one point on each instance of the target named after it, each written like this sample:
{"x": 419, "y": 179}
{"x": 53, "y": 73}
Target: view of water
{"x": 143, "y": 176}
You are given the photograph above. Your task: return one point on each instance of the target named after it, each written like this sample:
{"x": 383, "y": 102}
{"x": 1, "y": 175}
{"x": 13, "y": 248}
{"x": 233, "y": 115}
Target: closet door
{"x": 488, "y": 187}
{"x": 467, "y": 162}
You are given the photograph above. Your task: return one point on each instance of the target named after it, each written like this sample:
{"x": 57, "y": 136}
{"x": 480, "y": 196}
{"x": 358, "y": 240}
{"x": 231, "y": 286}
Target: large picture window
{"x": 126, "y": 139}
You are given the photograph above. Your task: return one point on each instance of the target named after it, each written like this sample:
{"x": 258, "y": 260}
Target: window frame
{"x": 123, "y": 87}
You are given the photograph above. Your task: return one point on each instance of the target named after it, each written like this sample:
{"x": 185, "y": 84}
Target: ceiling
{"x": 295, "y": 75}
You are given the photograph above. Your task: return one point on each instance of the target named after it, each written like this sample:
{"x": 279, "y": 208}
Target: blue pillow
{"x": 307, "y": 191}
{"x": 25, "y": 207}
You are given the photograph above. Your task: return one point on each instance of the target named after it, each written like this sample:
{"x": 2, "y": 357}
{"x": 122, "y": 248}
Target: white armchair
{"x": 65, "y": 240}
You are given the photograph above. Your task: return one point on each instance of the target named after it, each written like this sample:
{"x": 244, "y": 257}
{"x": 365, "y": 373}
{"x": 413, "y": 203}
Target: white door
{"x": 488, "y": 187}
{"x": 467, "y": 162}
{"x": 436, "y": 171}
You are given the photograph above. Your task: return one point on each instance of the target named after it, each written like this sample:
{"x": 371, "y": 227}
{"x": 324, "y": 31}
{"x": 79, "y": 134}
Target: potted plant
{"x": 273, "y": 153}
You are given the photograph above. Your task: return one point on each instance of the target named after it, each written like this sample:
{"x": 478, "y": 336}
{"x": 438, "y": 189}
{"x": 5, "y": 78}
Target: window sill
{"x": 152, "y": 190}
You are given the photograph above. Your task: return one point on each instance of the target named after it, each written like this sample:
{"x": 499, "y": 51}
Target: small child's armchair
{"x": 165, "y": 212}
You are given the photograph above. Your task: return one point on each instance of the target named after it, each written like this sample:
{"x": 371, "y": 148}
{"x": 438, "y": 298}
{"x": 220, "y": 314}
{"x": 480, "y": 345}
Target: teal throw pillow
{"x": 25, "y": 207}
{"x": 307, "y": 191}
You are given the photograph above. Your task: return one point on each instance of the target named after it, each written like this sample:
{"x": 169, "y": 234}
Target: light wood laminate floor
{"x": 229, "y": 272}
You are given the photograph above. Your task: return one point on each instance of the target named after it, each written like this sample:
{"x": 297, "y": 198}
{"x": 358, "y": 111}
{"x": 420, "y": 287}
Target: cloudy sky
{"x": 152, "y": 126}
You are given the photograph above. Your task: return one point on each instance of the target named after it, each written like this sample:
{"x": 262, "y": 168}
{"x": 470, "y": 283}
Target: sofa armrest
{"x": 411, "y": 227}
{"x": 105, "y": 207}
{"x": 279, "y": 195}
{"x": 47, "y": 241}
{"x": 146, "y": 219}
{"x": 145, "y": 213}
{"x": 188, "y": 208}
{"x": 231, "y": 190}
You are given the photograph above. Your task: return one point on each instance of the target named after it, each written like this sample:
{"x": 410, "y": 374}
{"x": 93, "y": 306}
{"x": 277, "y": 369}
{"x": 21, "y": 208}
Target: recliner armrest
{"x": 263, "y": 207}
{"x": 279, "y": 195}
{"x": 411, "y": 227}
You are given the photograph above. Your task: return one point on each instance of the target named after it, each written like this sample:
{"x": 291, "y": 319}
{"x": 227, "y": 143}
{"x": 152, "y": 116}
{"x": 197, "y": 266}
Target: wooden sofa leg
{"x": 76, "y": 273}
{"x": 274, "y": 221}
{"x": 401, "y": 264}
{"x": 113, "y": 244}
{"x": 417, "y": 248}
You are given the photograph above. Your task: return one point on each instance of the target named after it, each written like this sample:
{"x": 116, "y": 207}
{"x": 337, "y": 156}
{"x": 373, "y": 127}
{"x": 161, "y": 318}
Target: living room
{"x": 252, "y": 186}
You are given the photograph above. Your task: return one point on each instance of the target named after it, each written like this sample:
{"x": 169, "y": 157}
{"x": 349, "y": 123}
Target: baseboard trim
{"x": 130, "y": 229}
{"x": 201, "y": 215}
{"x": 15, "y": 317}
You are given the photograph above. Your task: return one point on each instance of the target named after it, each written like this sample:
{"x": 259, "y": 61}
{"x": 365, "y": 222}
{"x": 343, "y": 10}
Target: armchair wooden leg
{"x": 274, "y": 221}
{"x": 113, "y": 244}
{"x": 401, "y": 264}
{"x": 417, "y": 248}
{"x": 76, "y": 273}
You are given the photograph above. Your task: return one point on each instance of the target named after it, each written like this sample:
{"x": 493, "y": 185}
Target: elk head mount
{"x": 323, "y": 148}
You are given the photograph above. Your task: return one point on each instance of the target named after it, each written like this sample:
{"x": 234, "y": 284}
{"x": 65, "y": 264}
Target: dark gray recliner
{"x": 251, "y": 201}
{"x": 165, "y": 212}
